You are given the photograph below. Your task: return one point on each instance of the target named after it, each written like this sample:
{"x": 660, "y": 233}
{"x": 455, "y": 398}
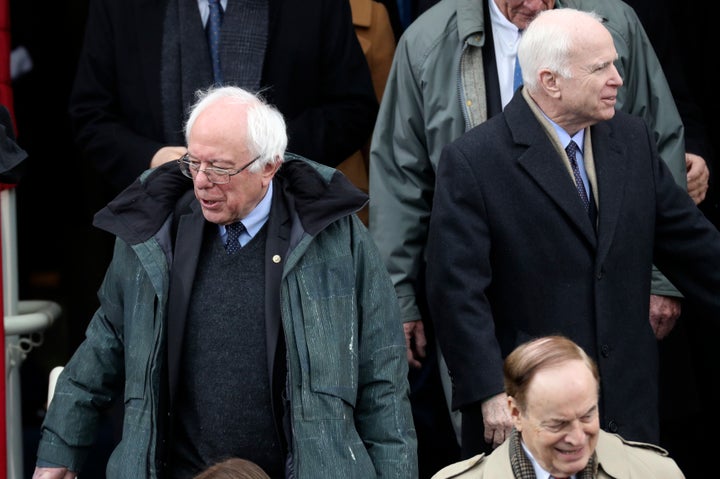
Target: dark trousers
{"x": 437, "y": 443}
{"x": 688, "y": 393}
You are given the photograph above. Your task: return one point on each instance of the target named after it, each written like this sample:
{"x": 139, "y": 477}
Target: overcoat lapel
{"x": 548, "y": 171}
{"x": 611, "y": 171}
{"x": 541, "y": 161}
{"x": 276, "y": 248}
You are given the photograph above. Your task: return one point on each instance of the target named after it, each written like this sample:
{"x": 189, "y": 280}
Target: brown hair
{"x": 542, "y": 353}
{"x": 234, "y": 468}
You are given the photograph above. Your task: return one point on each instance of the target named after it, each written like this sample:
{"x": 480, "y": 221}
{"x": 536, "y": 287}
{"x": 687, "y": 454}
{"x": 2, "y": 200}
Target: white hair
{"x": 548, "y": 45}
{"x": 266, "y": 130}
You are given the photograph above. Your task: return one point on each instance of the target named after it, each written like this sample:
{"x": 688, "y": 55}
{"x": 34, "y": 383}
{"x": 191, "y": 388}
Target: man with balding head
{"x": 552, "y": 397}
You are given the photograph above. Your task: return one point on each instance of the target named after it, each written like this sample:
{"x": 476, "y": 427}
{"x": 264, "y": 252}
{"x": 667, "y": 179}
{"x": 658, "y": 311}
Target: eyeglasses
{"x": 216, "y": 176}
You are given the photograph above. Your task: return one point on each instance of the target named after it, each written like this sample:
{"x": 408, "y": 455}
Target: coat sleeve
{"x": 401, "y": 180}
{"x": 383, "y": 415}
{"x": 646, "y": 93}
{"x": 459, "y": 273}
{"x": 87, "y": 386}
{"x": 687, "y": 245}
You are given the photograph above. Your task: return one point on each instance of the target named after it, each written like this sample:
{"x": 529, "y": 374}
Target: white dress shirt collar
{"x": 506, "y": 37}
{"x": 255, "y": 220}
{"x": 205, "y": 10}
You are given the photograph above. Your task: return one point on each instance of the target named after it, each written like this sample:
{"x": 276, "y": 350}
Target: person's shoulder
{"x": 601, "y": 7}
{"x": 469, "y": 468}
{"x": 622, "y": 125}
{"x": 626, "y": 124}
{"x": 436, "y": 16}
{"x": 298, "y": 170}
{"x": 619, "y": 17}
{"x": 432, "y": 26}
{"x": 620, "y": 457}
{"x": 493, "y": 131}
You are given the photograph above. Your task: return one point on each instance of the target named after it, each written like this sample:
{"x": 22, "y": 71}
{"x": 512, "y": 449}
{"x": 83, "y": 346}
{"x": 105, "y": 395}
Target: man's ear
{"x": 515, "y": 413}
{"x": 269, "y": 170}
{"x": 549, "y": 83}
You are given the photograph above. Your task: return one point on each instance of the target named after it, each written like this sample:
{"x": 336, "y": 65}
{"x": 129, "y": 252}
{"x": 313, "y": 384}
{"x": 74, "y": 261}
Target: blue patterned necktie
{"x": 571, "y": 150}
{"x": 517, "y": 72}
{"x": 517, "y": 75}
{"x": 233, "y": 237}
{"x": 212, "y": 30}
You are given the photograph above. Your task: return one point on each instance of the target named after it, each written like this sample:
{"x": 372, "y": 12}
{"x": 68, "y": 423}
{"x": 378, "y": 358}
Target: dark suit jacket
{"x": 512, "y": 255}
{"x": 314, "y": 72}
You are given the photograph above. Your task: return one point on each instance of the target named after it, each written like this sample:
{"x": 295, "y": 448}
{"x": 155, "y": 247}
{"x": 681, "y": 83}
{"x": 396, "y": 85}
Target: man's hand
{"x": 415, "y": 342}
{"x": 664, "y": 311}
{"x": 496, "y": 419}
{"x": 698, "y": 177}
{"x": 166, "y": 154}
{"x": 53, "y": 473}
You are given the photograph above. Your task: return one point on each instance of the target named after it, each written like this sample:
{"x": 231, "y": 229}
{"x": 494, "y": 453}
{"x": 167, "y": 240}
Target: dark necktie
{"x": 587, "y": 199}
{"x": 212, "y": 30}
{"x": 571, "y": 149}
{"x": 233, "y": 237}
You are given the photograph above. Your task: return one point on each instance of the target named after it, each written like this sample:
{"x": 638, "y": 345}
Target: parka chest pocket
{"x": 327, "y": 338}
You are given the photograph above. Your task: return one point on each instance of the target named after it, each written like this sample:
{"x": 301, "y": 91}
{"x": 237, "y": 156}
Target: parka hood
{"x": 320, "y": 194}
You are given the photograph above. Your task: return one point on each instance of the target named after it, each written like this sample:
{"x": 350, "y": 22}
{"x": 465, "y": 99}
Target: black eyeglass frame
{"x": 189, "y": 167}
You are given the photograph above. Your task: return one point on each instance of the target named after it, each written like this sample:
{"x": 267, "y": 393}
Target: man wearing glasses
{"x": 250, "y": 317}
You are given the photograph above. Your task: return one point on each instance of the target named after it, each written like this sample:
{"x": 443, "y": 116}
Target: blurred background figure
{"x": 374, "y": 29}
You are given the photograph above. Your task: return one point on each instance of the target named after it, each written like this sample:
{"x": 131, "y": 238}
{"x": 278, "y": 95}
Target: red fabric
{"x": 6, "y": 97}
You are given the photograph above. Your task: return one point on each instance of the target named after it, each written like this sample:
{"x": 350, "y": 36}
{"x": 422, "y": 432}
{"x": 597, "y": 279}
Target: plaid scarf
{"x": 522, "y": 465}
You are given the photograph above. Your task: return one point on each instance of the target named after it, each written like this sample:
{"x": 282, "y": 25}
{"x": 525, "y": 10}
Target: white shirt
{"x": 254, "y": 221}
{"x": 506, "y": 38}
{"x": 205, "y": 10}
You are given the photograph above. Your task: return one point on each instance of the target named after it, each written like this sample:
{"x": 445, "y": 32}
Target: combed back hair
{"x": 266, "y": 130}
{"x": 528, "y": 359}
{"x": 234, "y": 468}
{"x": 548, "y": 45}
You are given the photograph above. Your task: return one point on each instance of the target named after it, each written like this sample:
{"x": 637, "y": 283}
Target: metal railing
{"x": 24, "y": 323}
